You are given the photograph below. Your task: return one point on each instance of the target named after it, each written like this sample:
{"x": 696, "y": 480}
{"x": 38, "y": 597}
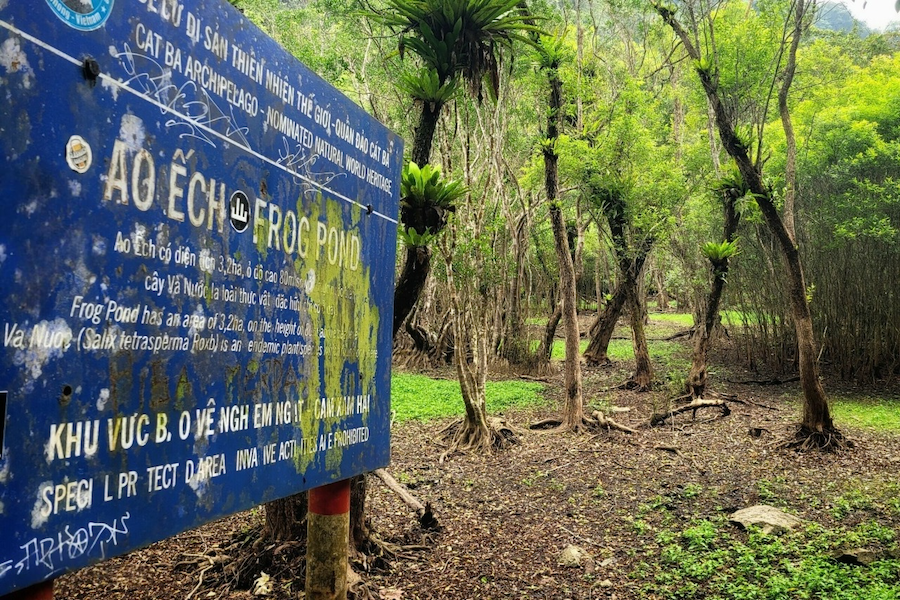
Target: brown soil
{"x": 506, "y": 517}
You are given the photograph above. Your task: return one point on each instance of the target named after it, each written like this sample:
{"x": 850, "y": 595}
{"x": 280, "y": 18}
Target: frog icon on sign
{"x": 84, "y": 15}
{"x": 239, "y": 211}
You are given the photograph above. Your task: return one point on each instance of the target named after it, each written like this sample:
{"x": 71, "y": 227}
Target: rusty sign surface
{"x": 196, "y": 268}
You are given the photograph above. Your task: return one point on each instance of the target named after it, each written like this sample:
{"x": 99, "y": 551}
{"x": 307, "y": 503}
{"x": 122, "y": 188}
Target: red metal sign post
{"x": 41, "y": 591}
{"x": 328, "y": 534}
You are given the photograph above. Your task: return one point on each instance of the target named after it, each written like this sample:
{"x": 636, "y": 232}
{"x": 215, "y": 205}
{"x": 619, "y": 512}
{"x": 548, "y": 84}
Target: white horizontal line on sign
{"x": 169, "y": 110}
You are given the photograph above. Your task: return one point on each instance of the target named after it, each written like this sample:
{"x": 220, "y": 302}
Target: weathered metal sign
{"x": 196, "y": 272}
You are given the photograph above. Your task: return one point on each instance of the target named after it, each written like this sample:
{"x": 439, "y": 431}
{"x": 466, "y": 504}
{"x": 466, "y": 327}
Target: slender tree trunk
{"x": 790, "y": 166}
{"x": 662, "y": 298}
{"x": 475, "y": 432}
{"x": 816, "y": 414}
{"x": 573, "y": 418}
{"x": 418, "y": 259}
{"x": 698, "y": 375}
{"x": 574, "y": 408}
{"x": 359, "y": 526}
{"x": 703, "y": 335}
{"x": 643, "y": 371}
{"x": 423, "y": 136}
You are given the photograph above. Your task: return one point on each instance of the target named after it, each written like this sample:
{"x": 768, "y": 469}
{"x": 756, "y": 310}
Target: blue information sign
{"x": 196, "y": 269}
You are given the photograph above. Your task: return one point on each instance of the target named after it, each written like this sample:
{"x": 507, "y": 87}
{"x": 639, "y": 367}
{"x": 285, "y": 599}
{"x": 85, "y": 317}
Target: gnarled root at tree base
{"x": 464, "y": 436}
{"x": 596, "y": 422}
{"x": 828, "y": 439}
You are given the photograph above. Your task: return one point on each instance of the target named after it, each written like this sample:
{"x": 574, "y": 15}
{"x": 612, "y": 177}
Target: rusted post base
{"x": 328, "y": 535}
{"x": 40, "y": 591}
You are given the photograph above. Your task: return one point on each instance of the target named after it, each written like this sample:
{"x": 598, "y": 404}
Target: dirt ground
{"x": 506, "y": 517}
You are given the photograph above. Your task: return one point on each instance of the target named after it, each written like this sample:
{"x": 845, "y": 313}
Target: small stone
{"x": 770, "y": 518}
{"x": 858, "y": 556}
{"x": 572, "y": 556}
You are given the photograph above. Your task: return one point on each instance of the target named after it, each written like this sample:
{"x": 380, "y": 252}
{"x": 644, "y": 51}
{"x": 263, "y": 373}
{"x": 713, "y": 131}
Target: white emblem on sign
{"x": 78, "y": 154}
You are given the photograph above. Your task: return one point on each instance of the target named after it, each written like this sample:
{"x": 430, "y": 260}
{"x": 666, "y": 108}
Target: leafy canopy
{"x": 459, "y": 37}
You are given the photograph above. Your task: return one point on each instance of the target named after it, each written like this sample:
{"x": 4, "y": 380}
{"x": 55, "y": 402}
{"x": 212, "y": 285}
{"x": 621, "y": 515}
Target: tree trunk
{"x": 359, "y": 525}
{"x": 703, "y": 335}
{"x": 706, "y": 327}
{"x": 790, "y": 165}
{"x": 643, "y": 371}
{"x": 423, "y": 137}
{"x": 662, "y": 298}
{"x": 410, "y": 283}
{"x": 602, "y": 329}
{"x": 545, "y": 349}
{"x": 573, "y": 418}
{"x": 286, "y": 518}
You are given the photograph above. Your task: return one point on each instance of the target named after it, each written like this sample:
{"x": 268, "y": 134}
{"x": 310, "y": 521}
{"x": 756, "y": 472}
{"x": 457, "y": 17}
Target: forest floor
{"x": 648, "y": 510}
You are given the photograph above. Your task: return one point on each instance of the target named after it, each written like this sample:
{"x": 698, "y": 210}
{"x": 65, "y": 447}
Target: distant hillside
{"x": 835, "y": 17}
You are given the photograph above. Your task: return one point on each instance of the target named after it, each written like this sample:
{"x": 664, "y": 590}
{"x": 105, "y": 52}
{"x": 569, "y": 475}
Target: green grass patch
{"x": 422, "y": 398}
{"x": 868, "y": 412}
{"x": 559, "y": 349}
{"x": 669, "y": 354}
{"x": 620, "y": 350}
{"x": 711, "y": 559}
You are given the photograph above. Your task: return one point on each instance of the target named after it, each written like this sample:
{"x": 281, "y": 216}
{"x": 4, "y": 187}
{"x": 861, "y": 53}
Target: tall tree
{"x": 456, "y": 41}
{"x": 816, "y": 427}
{"x": 551, "y": 53}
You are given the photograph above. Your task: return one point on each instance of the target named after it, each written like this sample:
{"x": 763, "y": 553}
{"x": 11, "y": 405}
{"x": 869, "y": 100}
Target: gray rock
{"x": 770, "y": 518}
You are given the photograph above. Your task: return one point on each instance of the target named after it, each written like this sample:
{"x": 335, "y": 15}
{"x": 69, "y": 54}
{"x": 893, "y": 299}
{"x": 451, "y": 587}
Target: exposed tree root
{"x": 596, "y": 422}
{"x": 424, "y": 511}
{"x": 598, "y": 363}
{"x": 683, "y": 333}
{"x": 601, "y": 421}
{"x": 463, "y": 437}
{"x": 806, "y": 439}
{"x": 774, "y": 381}
{"x": 241, "y": 562}
{"x": 633, "y": 386}
{"x": 551, "y": 423}
{"x": 745, "y": 401}
{"x": 247, "y": 558}
{"x": 699, "y": 403}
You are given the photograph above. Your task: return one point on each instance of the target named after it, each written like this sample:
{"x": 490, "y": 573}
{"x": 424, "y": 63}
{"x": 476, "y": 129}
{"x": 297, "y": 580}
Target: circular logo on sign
{"x": 84, "y": 15}
{"x": 78, "y": 154}
{"x": 239, "y": 211}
